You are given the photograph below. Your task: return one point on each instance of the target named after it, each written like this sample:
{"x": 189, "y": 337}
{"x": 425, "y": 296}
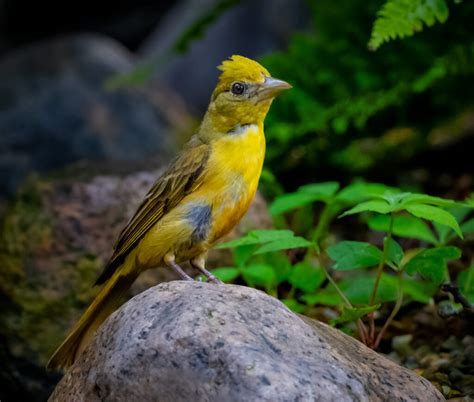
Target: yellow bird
{"x": 201, "y": 196}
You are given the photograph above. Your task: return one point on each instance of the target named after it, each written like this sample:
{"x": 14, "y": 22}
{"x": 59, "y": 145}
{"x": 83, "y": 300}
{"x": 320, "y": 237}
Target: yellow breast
{"x": 232, "y": 174}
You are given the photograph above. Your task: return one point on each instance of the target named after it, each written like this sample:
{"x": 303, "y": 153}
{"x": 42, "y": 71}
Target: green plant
{"x": 351, "y": 110}
{"x": 401, "y": 18}
{"x": 357, "y": 278}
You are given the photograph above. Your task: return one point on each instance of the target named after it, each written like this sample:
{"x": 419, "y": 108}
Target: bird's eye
{"x": 238, "y": 88}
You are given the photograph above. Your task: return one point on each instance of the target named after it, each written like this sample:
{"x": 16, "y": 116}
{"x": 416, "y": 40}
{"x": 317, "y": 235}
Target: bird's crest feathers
{"x": 239, "y": 68}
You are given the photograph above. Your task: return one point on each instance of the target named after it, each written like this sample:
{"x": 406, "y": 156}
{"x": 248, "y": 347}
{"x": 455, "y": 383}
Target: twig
{"x": 363, "y": 335}
{"x": 377, "y": 279}
{"x": 394, "y": 312}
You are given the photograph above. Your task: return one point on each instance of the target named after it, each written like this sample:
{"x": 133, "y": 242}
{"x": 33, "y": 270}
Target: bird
{"x": 200, "y": 197}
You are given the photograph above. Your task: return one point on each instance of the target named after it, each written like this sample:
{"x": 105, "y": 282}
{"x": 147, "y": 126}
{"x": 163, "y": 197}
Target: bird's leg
{"x": 170, "y": 261}
{"x": 200, "y": 264}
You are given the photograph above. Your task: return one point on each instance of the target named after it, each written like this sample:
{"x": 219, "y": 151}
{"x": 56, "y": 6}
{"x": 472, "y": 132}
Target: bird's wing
{"x": 182, "y": 177}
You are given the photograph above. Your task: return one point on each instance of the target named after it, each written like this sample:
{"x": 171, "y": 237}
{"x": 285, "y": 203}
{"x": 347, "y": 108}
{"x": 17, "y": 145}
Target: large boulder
{"x": 55, "y": 109}
{"x": 190, "y": 341}
{"x": 56, "y": 237}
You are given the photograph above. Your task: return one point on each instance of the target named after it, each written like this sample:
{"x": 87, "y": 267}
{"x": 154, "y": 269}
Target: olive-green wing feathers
{"x": 182, "y": 177}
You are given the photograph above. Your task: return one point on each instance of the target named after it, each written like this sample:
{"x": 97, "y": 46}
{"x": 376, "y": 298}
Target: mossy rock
{"x": 56, "y": 236}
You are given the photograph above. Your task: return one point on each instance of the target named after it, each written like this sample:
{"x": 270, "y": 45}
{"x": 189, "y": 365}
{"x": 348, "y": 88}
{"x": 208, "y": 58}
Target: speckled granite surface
{"x": 192, "y": 341}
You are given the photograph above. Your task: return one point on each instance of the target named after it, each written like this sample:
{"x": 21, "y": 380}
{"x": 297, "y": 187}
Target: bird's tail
{"x": 106, "y": 301}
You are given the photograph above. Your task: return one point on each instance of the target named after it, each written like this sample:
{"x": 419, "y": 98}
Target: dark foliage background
{"x": 97, "y": 94}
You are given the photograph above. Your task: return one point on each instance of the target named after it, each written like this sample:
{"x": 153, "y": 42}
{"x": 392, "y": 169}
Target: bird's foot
{"x": 212, "y": 278}
{"x": 176, "y": 268}
{"x": 199, "y": 265}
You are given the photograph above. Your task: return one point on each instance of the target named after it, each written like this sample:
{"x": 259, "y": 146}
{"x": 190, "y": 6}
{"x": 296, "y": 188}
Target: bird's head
{"x": 243, "y": 96}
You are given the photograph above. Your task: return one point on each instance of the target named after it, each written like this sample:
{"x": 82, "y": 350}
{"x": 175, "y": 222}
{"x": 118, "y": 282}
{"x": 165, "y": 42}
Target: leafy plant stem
{"x": 325, "y": 218}
{"x": 339, "y": 291}
{"x": 362, "y": 332}
{"x": 394, "y": 312}
{"x": 379, "y": 276}
{"x": 363, "y": 335}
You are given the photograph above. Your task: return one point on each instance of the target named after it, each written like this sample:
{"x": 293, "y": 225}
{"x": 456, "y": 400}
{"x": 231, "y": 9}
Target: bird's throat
{"x": 222, "y": 119}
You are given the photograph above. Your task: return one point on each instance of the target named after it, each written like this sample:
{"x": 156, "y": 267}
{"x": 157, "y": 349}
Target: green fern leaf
{"x": 401, "y": 18}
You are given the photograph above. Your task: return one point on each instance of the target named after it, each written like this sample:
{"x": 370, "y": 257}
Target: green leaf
{"x": 288, "y": 202}
{"x": 395, "y": 198}
{"x": 258, "y": 237}
{"x": 280, "y": 264}
{"x": 460, "y": 212}
{"x": 293, "y": 305}
{"x": 403, "y": 226}
{"x": 284, "y": 244}
{"x": 267, "y": 235}
{"x": 242, "y": 241}
{"x": 400, "y": 18}
{"x": 306, "y": 277}
{"x": 272, "y": 240}
{"x": 394, "y": 251}
{"x": 470, "y": 200}
{"x": 327, "y": 296}
{"x": 353, "y": 254}
{"x": 419, "y": 291}
{"x": 468, "y": 227}
{"x": 379, "y": 206}
{"x": 446, "y": 252}
{"x": 466, "y": 283}
{"x": 354, "y": 313}
{"x": 226, "y": 274}
{"x": 359, "y": 289}
{"x": 431, "y": 263}
{"x": 435, "y": 214}
{"x": 258, "y": 274}
{"x": 242, "y": 254}
{"x": 428, "y": 199}
{"x": 324, "y": 190}
{"x": 445, "y": 234}
{"x": 358, "y": 192}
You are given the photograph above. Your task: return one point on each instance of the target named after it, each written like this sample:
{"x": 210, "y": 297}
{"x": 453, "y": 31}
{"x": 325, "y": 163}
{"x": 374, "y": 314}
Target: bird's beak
{"x": 271, "y": 87}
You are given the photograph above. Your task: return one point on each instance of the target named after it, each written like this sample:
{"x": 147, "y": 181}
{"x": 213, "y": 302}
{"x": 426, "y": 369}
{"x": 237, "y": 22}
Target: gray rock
{"x": 55, "y": 109}
{"x": 184, "y": 341}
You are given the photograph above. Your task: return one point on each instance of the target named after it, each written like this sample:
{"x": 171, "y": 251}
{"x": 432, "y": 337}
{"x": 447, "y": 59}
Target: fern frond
{"x": 401, "y": 18}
